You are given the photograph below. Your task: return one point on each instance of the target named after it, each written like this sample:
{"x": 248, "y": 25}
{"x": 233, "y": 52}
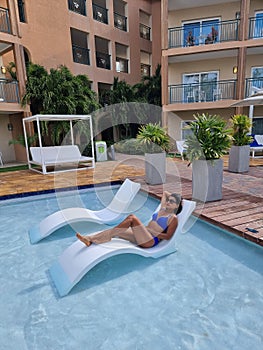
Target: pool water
{"x": 208, "y": 295}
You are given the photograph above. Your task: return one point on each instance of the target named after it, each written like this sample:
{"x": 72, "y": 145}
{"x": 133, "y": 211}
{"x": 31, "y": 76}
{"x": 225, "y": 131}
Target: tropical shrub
{"x": 210, "y": 138}
{"x": 241, "y": 125}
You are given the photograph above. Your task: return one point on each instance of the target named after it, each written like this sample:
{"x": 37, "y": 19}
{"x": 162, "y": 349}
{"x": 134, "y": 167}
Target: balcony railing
{"x": 103, "y": 60}
{"x": 227, "y": 31}
{"x": 80, "y": 55}
{"x": 122, "y": 64}
{"x": 145, "y": 69}
{"x": 204, "y": 92}
{"x": 9, "y": 91}
{"x": 100, "y": 13}
{"x": 255, "y": 28}
{"x": 120, "y": 22}
{"x": 253, "y": 85}
{"x": 4, "y": 21}
{"x": 145, "y": 32}
{"x": 78, "y": 6}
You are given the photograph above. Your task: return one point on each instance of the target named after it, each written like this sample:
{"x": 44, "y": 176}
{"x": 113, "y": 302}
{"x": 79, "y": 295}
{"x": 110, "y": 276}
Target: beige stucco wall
{"x": 6, "y": 135}
{"x": 47, "y": 37}
{"x": 220, "y": 11}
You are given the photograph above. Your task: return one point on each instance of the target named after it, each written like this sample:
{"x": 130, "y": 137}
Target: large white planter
{"x": 155, "y": 168}
{"x": 239, "y": 159}
{"x": 207, "y": 180}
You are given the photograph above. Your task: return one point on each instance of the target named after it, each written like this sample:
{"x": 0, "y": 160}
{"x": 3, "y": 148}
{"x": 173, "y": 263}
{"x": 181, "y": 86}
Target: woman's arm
{"x": 164, "y": 199}
{"x": 170, "y": 230}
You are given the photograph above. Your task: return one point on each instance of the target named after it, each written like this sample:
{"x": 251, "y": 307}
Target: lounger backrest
{"x": 124, "y": 196}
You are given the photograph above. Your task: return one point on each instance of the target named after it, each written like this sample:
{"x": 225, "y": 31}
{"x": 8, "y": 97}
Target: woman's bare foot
{"x": 84, "y": 239}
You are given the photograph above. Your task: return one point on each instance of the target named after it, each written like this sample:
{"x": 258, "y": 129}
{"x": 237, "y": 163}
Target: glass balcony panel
{"x": 121, "y": 65}
{"x": 145, "y": 32}
{"x": 145, "y": 69}
{"x": 78, "y": 6}
{"x": 80, "y": 55}
{"x": 202, "y": 92}
{"x": 256, "y": 26}
{"x": 103, "y": 60}
{"x": 9, "y": 91}
{"x": 4, "y": 21}
{"x": 203, "y": 32}
{"x": 100, "y": 13}
{"x": 120, "y": 22}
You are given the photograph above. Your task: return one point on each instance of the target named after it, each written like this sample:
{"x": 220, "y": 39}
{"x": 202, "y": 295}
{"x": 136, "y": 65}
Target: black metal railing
{"x": 145, "y": 32}
{"x": 9, "y": 91}
{"x": 21, "y": 11}
{"x": 203, "y": 92}
{"x": 4, "y": 20}
{"x": 226, "y": 31}
{"x": 120, "y": 21}
{"x": 80, "y": 55}
{"x": 103, "y": 60}
{"x": 253, "y": 85}
{"x": 100, "y": 13}
{"x": 145, "y": 69}
{"x": 122, "y": 64}
{"x": 255, "y": 28}
{"x": 78, "y": 6}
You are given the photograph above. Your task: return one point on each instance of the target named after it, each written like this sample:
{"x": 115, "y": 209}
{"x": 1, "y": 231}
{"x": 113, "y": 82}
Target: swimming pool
{"x": 208, "y": 295}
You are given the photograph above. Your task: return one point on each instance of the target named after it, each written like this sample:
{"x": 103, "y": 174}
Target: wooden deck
{"x": 240, "y": 208}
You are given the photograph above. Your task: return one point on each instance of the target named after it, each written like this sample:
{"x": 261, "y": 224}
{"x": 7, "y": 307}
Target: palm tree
{"x": 58, "y": 92}
{"x": 150, "y": 88}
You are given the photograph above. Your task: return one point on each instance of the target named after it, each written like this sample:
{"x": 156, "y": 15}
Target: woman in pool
{"x": 162, "y": 226}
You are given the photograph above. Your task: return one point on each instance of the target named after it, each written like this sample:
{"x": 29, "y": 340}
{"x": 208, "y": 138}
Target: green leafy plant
{"x": 210, "y": 139}
{"x": 21, "y": 140}
{"x": 154, "y": 137}
{"x": 241, "y": 125}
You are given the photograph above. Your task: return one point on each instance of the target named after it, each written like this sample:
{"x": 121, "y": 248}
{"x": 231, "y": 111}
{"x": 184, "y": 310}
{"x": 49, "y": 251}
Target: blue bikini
{"x": 161, "y": 221}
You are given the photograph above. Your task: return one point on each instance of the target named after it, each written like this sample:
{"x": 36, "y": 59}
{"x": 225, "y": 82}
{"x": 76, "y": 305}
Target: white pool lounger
{"x": 114, "y": 212}
{"x": 78, "y": 259}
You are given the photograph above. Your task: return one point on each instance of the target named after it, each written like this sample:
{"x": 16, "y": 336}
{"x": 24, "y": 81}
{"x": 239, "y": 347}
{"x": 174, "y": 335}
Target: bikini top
{"x": 161, "y": 221}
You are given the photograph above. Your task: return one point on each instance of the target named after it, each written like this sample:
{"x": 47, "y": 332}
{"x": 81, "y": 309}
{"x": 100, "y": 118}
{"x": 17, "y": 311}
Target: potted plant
{"x": 156, "y": 142}
{"x": 206, "y": 144}
{"x": 240, "y": 149}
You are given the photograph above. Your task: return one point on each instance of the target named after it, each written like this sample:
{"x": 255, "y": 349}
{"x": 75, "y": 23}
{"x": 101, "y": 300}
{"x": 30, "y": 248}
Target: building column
{"x": 20, "y": 68}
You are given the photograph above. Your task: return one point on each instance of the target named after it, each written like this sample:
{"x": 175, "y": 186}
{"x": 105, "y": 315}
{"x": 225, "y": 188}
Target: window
{"x": 200, "y": 87}
{"x": 201, "y": 32}
{"x": 257, "y": 79}
{"x": 21, "y": 10}
{"x": 258, "y": 25}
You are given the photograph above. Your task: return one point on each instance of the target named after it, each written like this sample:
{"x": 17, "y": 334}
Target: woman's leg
{"x": 130, "y": 229}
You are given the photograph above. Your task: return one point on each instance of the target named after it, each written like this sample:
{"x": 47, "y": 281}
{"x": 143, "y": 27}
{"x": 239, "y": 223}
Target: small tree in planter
{"x": 156, "y": 143}
{"x": 209, "y": 140}
{"x": 239, "y": 152}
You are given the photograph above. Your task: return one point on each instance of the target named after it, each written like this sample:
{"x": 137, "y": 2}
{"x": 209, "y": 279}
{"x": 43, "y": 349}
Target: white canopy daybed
{"x": 66, "y": 157}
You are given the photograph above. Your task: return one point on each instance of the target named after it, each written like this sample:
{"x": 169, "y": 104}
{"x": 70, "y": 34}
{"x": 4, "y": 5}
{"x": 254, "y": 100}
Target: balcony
{"x": 255, "y": 28}
{"x": 253, "y": 85}
{"x": 4, "y": 21}
{"x": 145, "y": 32}
{"x": 122, "y": 65}
{"x": 120, "y": 22}
{"x": 203, "y": 92}
{"x": 145, "y": 69}
{"x": 9, "y": 91}
{"x": 78, "y": 6}
{"x": 226, "y": 31}
{"x": 80, "y": 55}
{"x": 100, "y": 13}
{"x": 103, "y": 60}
